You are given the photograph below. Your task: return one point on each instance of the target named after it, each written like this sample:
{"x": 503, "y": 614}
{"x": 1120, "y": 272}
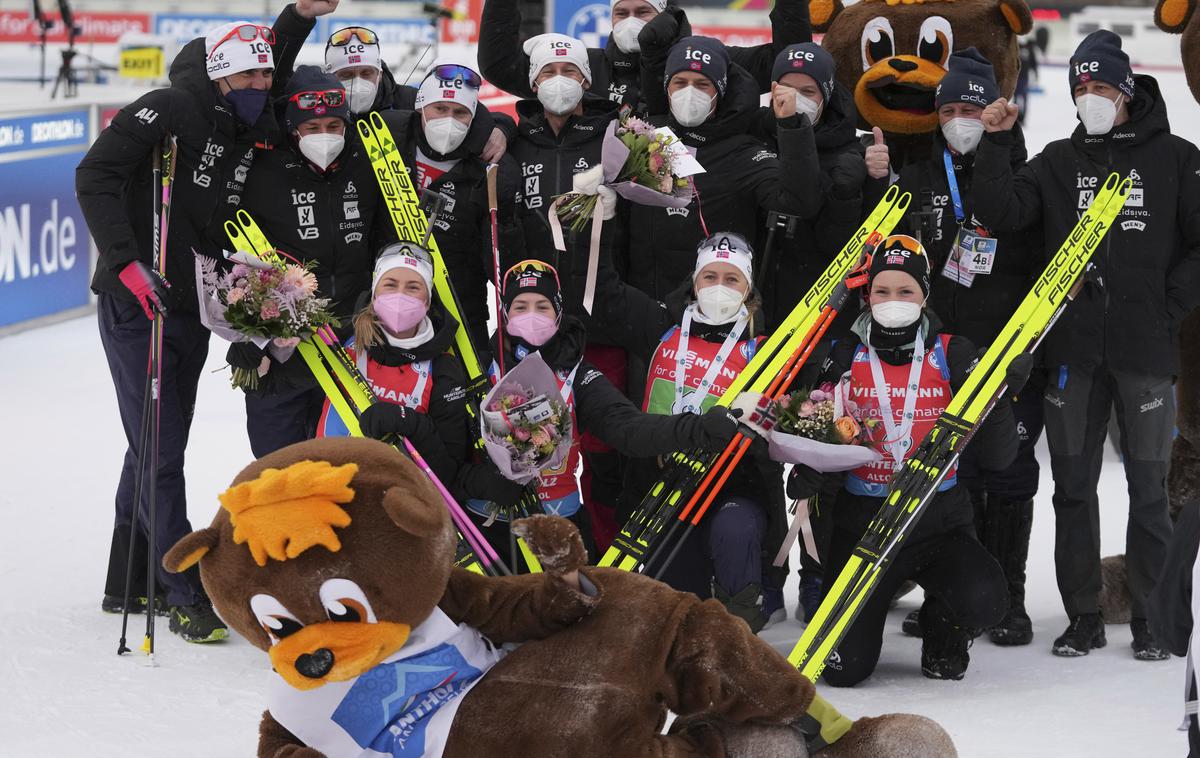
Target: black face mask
{"x": 247, "y": 104}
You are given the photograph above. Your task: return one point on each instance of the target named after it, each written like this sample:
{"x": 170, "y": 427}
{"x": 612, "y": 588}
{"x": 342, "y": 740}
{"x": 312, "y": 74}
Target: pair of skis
{"x": 408, "y": 218}
{"x": 916, "y": 483}
{"x": 349, "y": 395}
{"x": 691, "y": 481}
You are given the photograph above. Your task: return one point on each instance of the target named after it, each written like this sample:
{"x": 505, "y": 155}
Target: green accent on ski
{"x": 918, "y": 479}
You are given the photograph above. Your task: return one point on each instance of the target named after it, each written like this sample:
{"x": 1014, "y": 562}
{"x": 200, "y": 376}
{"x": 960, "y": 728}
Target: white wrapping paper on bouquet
{"x": 532, "y": 379}
{"x": 212, "y": 314}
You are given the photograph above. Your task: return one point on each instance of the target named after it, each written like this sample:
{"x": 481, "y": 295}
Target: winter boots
{"x": 198, "y": 622}
{"x": 747, "y": 604}
{"x": 1085, "y": 633}
{"x": 811, "y": 581}
{"x": 1143, "y": 644}
{"x": 944, "y": 646}
{"x": 1004, "y": 527}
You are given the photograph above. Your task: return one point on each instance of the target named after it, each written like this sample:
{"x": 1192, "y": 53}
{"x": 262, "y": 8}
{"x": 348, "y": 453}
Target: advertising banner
{"x": 44, "y": 244}
{"x": 586, "y": 20}
{"x": 185, "y": 27}
{"x": 20, "y": 26}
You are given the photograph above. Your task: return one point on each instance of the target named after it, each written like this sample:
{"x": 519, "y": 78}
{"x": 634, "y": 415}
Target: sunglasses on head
{"x": 530, "y": 265}
{"x": 247, "y": 33}
{"x": 306, "y": 101}
{"x": 450, "y": 71}
{"x": 342, "y": 37}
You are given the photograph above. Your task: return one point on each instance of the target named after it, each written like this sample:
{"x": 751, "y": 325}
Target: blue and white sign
{"x": 44, "y": 249}
{"x": 393, "y": 31}
{"x": 185, "y": 27}
{"x": 584, "y": 20}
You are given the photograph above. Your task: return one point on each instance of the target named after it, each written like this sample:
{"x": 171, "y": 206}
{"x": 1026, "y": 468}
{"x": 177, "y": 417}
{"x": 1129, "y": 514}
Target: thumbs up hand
{"x": 1000, "y": 115}
{"x": 876, "y": 158}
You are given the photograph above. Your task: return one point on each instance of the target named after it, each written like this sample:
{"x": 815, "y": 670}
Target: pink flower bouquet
{"x": 525, "y": 423}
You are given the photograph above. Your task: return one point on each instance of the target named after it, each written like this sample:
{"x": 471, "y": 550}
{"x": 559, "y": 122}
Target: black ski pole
{"x": 776, "y": 222}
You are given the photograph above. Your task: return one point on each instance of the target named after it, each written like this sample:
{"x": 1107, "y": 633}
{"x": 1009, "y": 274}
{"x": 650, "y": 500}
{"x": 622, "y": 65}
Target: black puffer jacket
{"x": 995, "y": 444}
{"x": 979, "y": 311}
{"x": 548, "y": 165}
{"x": 742, "y": 180}
{"x": 617, "y": 76}
{"x": 215, "y": 151}
{"x": 1146, "y": 278}
{"x": 463, "y": 229}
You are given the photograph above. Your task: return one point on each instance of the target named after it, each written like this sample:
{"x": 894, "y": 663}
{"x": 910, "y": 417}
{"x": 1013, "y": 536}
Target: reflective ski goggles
{"x": 342, "y": 37}
{"x": 449, "y": 72}
{"x": 532, "y": 266}
{"x": 246, "y": 33}
{"x": 306, "y": 101}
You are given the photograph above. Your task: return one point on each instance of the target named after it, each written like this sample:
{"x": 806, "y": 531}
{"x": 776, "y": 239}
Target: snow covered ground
{"x": 63, "y": 690}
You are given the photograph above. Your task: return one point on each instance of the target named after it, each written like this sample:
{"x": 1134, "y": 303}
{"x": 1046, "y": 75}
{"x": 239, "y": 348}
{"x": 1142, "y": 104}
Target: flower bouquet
{"x": 525, "y": 424}
{"x": 640, "y": 163}
{"x": 824, "y": 430}
{"x": 273, "y": 306}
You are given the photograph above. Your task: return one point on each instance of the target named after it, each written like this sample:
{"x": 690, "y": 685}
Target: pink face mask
{"x": 534, "y": 328}
{"x": 399, "y": 312}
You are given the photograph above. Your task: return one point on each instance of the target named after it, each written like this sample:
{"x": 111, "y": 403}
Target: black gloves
{"x": 717, "y": 427}
{"x": 382, "y": 419}
{"x": 847, "y": 175}
{"x": 662, "y": 31}
{"x": 245, "y": 355}
{"x": 803, "y": 482}
{"x": 484, "y": 481}
{"x": 1017, "y": 373}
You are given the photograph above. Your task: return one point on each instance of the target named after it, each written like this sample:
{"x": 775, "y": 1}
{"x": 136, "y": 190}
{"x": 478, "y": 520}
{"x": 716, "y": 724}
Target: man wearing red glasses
{"x": 215, "y": 111}
{"x": 353, "y": 55}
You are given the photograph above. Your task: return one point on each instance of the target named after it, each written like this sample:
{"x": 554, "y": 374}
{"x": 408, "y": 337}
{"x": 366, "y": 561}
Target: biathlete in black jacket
{"x": 1117, "y": 344}
{"x": 980, "y": 277}
{"x": 696, "y": 343}
{"x": 401, "y": 344}
{"x": 433, "y": 142}
{"x": 315, "y": 197}
{"x": 215, "y": 109}
{"x": 534, "y": 321}
{"x": 899, "y": 343}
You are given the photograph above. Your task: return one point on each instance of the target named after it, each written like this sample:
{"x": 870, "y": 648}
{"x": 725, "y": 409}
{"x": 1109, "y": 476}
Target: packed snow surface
{"x": 65, "y": 691}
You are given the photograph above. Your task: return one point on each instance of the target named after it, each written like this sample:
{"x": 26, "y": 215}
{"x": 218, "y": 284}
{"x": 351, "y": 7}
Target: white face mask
{"x": 559, "y": 94}
{"x": 625, "y": 34}
{"x": 963, "y": 134}
{"x": 322, "y": 149}
{"x": 894, "y": 314}
{"x": 361, "y": 93}
{"x": 1097, "y": 113}
{"x": 445, "y": 134}
{"x": 809, "y": 108}
{"x": 691, "y": 107}
{"x": 719, "y": 303}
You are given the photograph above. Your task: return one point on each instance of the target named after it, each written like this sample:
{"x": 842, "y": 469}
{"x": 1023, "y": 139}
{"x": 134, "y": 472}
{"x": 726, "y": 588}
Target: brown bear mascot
{"x": 892, "y": 53}
{"x": 334, "y": 557}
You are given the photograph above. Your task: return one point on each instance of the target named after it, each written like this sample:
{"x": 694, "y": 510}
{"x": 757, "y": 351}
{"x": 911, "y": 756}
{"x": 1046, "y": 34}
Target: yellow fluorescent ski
{"x": 911, "y": 488}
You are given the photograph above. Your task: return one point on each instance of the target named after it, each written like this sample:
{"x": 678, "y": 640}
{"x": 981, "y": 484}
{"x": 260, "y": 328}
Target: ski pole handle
{"x": 493, "y": 204}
